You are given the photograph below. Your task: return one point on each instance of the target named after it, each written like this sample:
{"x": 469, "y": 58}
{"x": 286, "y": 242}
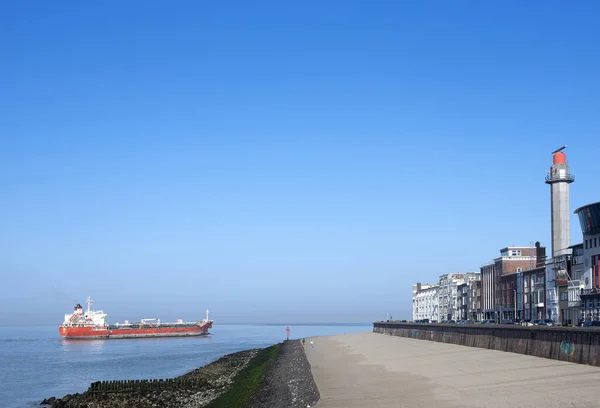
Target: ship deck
{"x": 152, "y": 326}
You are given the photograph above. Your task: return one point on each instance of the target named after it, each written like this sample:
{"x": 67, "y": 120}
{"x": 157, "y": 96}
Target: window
{"x": 595, "y": 242}
{"x": 586, "y": 244}
{"x": 519, "y": 270}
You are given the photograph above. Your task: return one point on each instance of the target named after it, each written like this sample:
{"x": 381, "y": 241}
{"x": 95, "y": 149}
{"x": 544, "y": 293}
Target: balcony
{"x": 567, "y": 177}
{"x": 590, "y": 292}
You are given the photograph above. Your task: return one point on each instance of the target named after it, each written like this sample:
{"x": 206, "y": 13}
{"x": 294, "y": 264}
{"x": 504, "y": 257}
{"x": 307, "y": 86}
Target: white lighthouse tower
{"x": 559, "y": 179}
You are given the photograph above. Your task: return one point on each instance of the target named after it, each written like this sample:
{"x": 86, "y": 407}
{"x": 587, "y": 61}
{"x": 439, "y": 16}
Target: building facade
{"x": 474, "y": 309}
{"x": 462, "y": 301}
{"x": 449, "y": 299}
{"x": 571, "y": 305}
{"x": 444, "y": 298}
{"x": 425, "y": 302}
{"x": 589, "y": 220}
{"x": 488, "y": 304}
{"x": 564, "y": 274}
{"x": 508, "y": 296}
{"x": 448, "y": 293}
{"x": 499, "y": 289}
{"x": 534, "y": 293}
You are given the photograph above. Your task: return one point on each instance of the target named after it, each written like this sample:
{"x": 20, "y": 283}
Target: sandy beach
{"x": 375, "y": 370}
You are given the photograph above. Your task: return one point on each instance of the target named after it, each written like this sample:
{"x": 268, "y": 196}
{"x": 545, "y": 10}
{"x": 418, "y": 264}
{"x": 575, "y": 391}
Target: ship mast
{"x": 207, "y": 315}
{"x": 89, "y": 303}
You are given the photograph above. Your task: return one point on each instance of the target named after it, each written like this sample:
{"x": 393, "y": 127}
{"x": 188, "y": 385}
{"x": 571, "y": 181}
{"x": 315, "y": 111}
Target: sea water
{"x": 36, "y": 363}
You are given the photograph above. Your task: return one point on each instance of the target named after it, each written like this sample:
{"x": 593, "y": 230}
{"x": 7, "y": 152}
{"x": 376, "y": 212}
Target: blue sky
{"x": 302, "y": 162}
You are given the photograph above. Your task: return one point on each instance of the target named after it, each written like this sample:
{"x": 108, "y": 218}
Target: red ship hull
{"x": 92, "y": 332}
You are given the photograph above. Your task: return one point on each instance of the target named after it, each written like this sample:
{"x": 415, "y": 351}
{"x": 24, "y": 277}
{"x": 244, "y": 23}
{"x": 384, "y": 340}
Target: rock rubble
{"x": 287, "y": 383}
{"x": 218, "y": 377}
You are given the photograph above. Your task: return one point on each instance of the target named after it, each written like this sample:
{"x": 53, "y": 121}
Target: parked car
{"x": 549, "y": 322}
{"x": 543, "y": 322}
{"x": 591, "y": 323}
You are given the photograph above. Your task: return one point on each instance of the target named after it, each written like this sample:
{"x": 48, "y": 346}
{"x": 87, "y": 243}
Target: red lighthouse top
{"x": 559, "y": 158}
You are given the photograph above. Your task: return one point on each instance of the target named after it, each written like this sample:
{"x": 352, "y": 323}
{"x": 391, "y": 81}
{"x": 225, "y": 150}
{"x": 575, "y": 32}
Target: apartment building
{"x": 425, "y": 302}
{"x": 589, "y": 220}
{"x": 500, "y": 291}
{"x": 474, "y": 308}
{"x": 448, "y": 293}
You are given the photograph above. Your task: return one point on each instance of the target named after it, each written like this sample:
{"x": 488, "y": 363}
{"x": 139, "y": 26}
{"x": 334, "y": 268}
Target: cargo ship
{"x": 91, "y": 325}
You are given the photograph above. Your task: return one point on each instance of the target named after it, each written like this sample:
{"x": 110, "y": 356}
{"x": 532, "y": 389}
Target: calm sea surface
{"x": 35, "y": 363}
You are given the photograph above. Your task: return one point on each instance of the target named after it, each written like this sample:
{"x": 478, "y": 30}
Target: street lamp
{"x": 515, "y": 316}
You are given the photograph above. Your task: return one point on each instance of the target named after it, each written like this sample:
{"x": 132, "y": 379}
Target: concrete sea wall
{"x": 573, "y": 344}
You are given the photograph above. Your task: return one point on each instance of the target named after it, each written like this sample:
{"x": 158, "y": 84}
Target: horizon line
{"x": 230, "y": 323}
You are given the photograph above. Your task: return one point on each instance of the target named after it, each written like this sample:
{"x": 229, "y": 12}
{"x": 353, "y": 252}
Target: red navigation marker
{"x": 287, "y": 329}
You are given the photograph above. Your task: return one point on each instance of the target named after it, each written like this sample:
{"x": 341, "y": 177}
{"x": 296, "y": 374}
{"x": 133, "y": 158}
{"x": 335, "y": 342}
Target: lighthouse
{"x": 559, "y": 179}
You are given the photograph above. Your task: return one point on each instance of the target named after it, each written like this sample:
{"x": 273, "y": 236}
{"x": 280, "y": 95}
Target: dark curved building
{"x": 589, "y": 219}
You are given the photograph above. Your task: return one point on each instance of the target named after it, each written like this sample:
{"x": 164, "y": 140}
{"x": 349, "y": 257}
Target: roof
{"x": 516, "y": 247}
{"x": 589, "y": 218}
{"x": 584, "y": 206}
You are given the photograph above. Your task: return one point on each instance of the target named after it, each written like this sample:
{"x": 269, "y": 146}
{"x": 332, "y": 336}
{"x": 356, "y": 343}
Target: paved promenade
{"x": 375, "y": 370}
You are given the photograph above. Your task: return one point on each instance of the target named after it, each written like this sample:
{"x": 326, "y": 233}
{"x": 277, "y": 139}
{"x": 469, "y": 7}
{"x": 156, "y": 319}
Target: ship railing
{"x": 145, "y": 322}
{"x": 84, "y": 324}
{"x": 177, "y": 323}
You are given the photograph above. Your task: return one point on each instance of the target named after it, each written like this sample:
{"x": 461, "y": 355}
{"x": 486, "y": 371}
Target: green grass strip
{"x": 248, "y": 381}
